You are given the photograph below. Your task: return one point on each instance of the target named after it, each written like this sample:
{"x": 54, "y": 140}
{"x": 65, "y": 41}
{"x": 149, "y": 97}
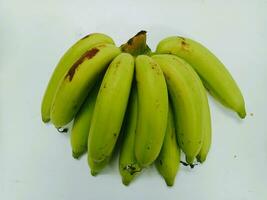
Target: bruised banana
{"x": 189, "y": 103}
{"x": 82, "y": 123}
{"x": 216, "y": 78}
{"x": 152, "y": 110}
{"x": 78, "y": 81}
{"x": 110, "y": 107}
{"x": 128, "y": 164}
{"x": 168, "y": 161}
{"x": 68, "y": 59}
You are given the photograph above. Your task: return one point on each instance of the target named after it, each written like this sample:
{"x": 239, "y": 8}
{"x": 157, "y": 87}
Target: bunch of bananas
{"x": 154, "y": 102}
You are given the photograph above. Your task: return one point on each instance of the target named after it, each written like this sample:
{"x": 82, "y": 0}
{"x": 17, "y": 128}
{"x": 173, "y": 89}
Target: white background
{"x": 36, "y": 161}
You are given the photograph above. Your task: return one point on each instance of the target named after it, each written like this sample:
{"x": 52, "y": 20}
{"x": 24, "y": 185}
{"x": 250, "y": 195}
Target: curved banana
{"x": 216, "y": 78}
{"x": 78, "y": 82}
{"x": 189, "y": 103}
{"x": 168, "y": 161}
{"x": 82, "y": 122}
{"x": 68, "y": 59}
{"x": 152, "y": 110}
{"x": 109, "y": 110}
{"x": 128, "y": 164}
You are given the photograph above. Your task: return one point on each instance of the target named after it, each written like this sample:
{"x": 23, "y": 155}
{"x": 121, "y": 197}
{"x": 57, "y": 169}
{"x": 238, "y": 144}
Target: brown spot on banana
{"x": 87, "y": 55}
{"x": 185, "y": 46}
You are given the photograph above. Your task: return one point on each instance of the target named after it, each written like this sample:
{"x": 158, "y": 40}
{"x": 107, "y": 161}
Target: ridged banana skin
{"x": 78, "y": 82}
{"x": 110, "y": 107}
{"x": 168, "y": 161}
{"x": 128, "y": 165}
{"x": 216, "y": 77}
{"x": 202, "y": 155}
{"x": 152, "y": 110}
{"x": 82, "y": 123}
{"x": 188, "y": 102}
{"x": 65, "y": 63}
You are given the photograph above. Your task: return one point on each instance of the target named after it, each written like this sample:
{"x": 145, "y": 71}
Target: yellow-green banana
{"x": 206, "y": 118}
{"x": 216, "y": 78}
{"x": 110, "y": 107}
{"x": 152, "y": 110}
{"x": 82, "y": 123}
{"x": 189, "y": 103}
{"x": 78, "y": 81}
{"x": 68, "y": 59}
{"x": 168, "y": 161}
{"x": 128, "y": 164}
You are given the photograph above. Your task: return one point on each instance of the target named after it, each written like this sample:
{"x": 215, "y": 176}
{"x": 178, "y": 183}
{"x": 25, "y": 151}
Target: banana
{"x": 69, "y": 58}
{"x": 216, "y": 78}
{"x": 110, "y": 107}
{"x": 152, "y": 110}
{"x": 168, "y": 161}
{"x": 206, "y": 118}
{"x": 128, "y": 164}
{"x": 82, "y": 122}
{"x": 78, "y": 81}
{"x": 189, "y": 103}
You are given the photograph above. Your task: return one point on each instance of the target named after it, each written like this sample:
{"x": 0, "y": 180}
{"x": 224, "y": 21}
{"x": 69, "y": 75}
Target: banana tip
{"x": 76, "y": 155}
{"x": 201, "y": 159}
{"x": 45, "y": 119}
{"x": 190, "y": 159}
{"x": 126, "y": 181}
{"x": 94, "y": 173}
{"x": 169, "y": 182}
{"x": 242, "y": 114}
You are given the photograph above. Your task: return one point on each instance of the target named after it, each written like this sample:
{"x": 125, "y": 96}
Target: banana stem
{"x": 136, "y": 45}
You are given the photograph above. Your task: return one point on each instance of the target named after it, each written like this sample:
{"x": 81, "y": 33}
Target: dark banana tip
{"x": 242, "y": 114}
{"x": 126, "y": 181}
{"x": 94, "y": 173}
{"x": 76, "y": 155}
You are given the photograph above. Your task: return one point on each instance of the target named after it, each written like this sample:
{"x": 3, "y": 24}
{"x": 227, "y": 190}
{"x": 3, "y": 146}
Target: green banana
{"x": 110, "y": 107}
{"x": 152, "y": 110}
{"x": 128, "y": 164}
{"x": 78, "y": 82}
{"x": 189, "y": 103}
{"x": 82, "y": 122}
{"x": 168, "y": 161}
{"x": 215, "y": 76}
{"x": 68, "y": 59}
{"x": 206, "y": 118}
